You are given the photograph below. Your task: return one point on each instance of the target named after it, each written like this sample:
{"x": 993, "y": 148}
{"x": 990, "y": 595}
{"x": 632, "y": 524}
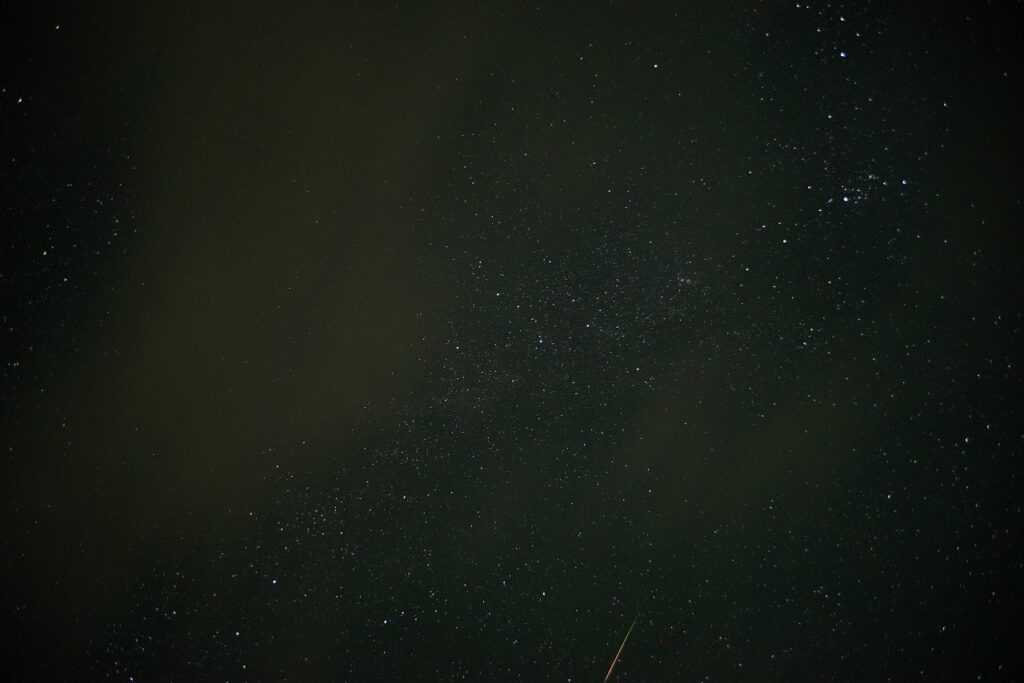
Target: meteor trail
{"x": 618, "y": 654}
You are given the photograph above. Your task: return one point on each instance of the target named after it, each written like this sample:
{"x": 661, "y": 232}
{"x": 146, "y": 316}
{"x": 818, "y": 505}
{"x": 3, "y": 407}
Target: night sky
{"x": 388, "y": 341}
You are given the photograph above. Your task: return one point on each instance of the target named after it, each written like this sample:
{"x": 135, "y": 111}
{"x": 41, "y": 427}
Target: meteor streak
{"x": 618, "y": 654}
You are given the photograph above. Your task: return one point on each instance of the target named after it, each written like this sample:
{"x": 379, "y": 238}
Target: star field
{"x": 393, "y": 343}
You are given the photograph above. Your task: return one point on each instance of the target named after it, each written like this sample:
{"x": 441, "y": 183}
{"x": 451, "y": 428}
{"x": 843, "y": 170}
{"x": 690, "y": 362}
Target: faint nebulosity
{"x": 381, "y": 341}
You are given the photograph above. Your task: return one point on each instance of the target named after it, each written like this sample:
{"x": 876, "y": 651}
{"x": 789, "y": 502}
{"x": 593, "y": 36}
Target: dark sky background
{"x": 388, "y": 341}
